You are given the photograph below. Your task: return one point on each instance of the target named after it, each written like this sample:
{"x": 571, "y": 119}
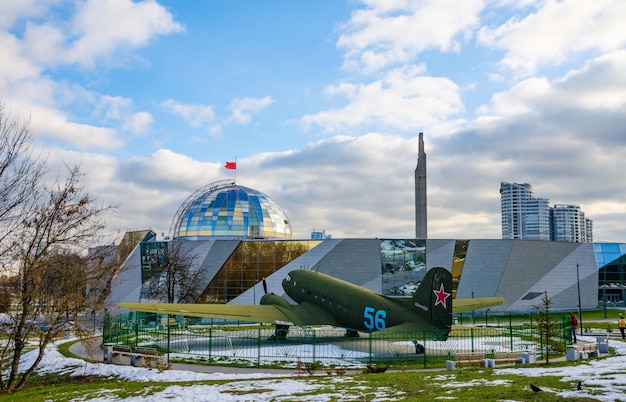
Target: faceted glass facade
{"x": 229, "y": 210}
{"x": 458, "y": 261}
{"x": 250, "y": 263}
{"x": 611, "y": 260}
{"x": 403, "y": 265}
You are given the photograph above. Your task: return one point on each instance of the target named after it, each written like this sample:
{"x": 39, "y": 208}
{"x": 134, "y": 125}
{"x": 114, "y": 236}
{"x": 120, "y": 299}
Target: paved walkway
{"x": 91, "y": 350}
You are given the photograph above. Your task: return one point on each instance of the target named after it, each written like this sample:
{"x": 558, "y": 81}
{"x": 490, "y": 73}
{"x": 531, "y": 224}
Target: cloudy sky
{"x": 321, "y": 104}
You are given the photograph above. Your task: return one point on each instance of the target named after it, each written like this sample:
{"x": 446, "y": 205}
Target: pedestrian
{"x": 621, "y": 323}
{"x": 574, "y": 322}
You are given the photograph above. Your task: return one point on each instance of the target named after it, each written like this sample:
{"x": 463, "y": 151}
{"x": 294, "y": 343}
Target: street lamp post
{"x": 580, "y": 311}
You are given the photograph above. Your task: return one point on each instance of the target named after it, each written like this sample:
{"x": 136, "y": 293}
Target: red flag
{"x": 231, "y": 165}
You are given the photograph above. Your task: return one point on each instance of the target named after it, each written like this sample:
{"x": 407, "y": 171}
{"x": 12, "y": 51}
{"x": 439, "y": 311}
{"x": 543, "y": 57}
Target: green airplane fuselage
{"x": 355, "y": 307}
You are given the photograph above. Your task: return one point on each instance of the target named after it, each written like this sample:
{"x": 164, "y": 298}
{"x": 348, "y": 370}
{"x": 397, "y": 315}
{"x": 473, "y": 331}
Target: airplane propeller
{"x": 264, "y": 286}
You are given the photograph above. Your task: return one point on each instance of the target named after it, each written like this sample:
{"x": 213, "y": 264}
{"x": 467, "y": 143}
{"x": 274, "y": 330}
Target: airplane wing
{"x": 300, "y": 315}
{"x": 463, "y": 305}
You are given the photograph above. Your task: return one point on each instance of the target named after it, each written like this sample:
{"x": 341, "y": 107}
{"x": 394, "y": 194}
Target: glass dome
{"x": 224, "y": 209}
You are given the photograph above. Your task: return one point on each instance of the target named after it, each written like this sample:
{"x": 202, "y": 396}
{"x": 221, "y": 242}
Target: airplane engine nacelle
{"x": 274, "y": 300}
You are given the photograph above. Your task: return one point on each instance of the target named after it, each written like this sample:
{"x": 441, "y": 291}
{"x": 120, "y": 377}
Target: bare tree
{"x": 8, "y": 284}
{"x": 20, "y": 177}
{"x": 175, "y": 278}
{"x": 42, "y": 240}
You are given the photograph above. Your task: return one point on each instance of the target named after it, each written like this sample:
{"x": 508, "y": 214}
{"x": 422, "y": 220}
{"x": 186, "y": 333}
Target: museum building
{"x": 238, "y": 236}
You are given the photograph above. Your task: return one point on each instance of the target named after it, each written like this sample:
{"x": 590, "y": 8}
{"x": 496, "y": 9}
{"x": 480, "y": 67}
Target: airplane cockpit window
{"x": 288, "y": 278}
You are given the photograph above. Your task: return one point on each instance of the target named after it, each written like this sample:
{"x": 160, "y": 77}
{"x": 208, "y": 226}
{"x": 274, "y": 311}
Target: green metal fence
{"x": 252, "y": 345}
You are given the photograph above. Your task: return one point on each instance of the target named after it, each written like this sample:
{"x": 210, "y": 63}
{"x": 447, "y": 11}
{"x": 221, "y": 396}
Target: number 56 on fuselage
{"x": 326, "y": 300}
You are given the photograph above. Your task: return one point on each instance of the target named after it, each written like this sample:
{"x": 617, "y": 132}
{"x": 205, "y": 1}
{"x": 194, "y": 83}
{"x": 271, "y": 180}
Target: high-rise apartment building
{"x": 527, "y": 217}
{"x": 523, "y": 215}
{"x": 569, "y": 224}
{"x": 537, "y": 219}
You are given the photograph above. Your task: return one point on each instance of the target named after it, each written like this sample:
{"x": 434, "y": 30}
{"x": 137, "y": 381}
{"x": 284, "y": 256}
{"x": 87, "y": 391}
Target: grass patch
{"x": 466, "y": 385}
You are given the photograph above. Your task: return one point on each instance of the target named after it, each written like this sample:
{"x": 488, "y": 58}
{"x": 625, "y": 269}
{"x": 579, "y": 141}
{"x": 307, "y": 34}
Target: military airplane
{"x": 326, "y": 300}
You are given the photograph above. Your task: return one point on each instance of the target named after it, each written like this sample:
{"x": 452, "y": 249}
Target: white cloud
{"x": 194, "y": 115}
{"x": 165, "y": 168}
{"x": 402, "y": 99}
{"x": 139, "y": 123}
{"x": 51, "y": 123}
{"x": 87, "y": 36}
{"x": 557, "y": 31}
{"x": 136, "y": 23}
{"x": 114, "y": 107}
{"x": 14, "y": 67}
{"x": 390, "y": 33}
{"x": 12, "y": 11}
{"x": 242, "y": 109}
{"x": 599, "y": 85}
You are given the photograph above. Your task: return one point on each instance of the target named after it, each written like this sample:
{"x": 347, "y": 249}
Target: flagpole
{"x": 235, "y": 169}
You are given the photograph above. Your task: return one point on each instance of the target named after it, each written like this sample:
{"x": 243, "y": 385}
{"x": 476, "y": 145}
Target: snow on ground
{"x": 604, "y": 380}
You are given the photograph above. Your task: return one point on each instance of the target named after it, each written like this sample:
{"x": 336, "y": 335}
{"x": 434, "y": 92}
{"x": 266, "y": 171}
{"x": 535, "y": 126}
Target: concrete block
{"x": 529, "y": 358}
{"x": 572, "y": 354}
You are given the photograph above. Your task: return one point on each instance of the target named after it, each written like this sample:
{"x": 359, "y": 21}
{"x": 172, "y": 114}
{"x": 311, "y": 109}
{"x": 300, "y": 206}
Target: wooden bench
{"x": 503, "y": 357}
{"x": 143, "y": 355}
{"x": 470, "y": 359}
{"x": 589, "y": 349}
{"x": 115, "y": 353}
{"x": 172, "y": 323}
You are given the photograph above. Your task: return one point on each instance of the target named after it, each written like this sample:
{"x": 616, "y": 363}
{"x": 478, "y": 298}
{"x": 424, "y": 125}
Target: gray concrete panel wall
{"x": 483, "y": 268}
{"x": 355, "y": 260}
{"x": 439, "y": 253}
{"x": 126, "y": 285}
{"x": 560, "y": 278}
{"x": 567, "y": 300}
{"x": 528, "y": 263}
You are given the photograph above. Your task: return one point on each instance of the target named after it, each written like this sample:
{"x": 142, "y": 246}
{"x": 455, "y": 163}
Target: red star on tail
{"x": 442, "y": 295}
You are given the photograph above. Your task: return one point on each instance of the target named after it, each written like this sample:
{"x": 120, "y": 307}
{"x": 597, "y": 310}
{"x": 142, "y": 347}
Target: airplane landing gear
{"x": 350, "y": 333}
{"x": 419, "y": 348}
{"x": 280, "y": 333}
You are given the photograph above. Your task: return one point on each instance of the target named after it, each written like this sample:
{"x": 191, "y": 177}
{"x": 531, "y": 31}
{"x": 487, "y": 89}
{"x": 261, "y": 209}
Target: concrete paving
{"x": 91, "y": 349}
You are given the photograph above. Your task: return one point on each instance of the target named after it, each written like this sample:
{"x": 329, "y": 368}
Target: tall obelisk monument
{"x": 421, "y": 216}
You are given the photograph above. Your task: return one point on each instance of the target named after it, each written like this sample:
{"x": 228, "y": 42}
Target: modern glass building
{"x": 225, "y": 209}
{"x": 518, "y": 270}
{"x": 611, "y": 260}
{"x": 238, "y": 237}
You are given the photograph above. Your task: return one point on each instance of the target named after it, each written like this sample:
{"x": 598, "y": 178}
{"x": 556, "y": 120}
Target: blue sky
{"x": 321, "y": 103}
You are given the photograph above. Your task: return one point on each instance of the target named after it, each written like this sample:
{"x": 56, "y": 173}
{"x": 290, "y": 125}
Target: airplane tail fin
{"x": 433, "y": 297}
